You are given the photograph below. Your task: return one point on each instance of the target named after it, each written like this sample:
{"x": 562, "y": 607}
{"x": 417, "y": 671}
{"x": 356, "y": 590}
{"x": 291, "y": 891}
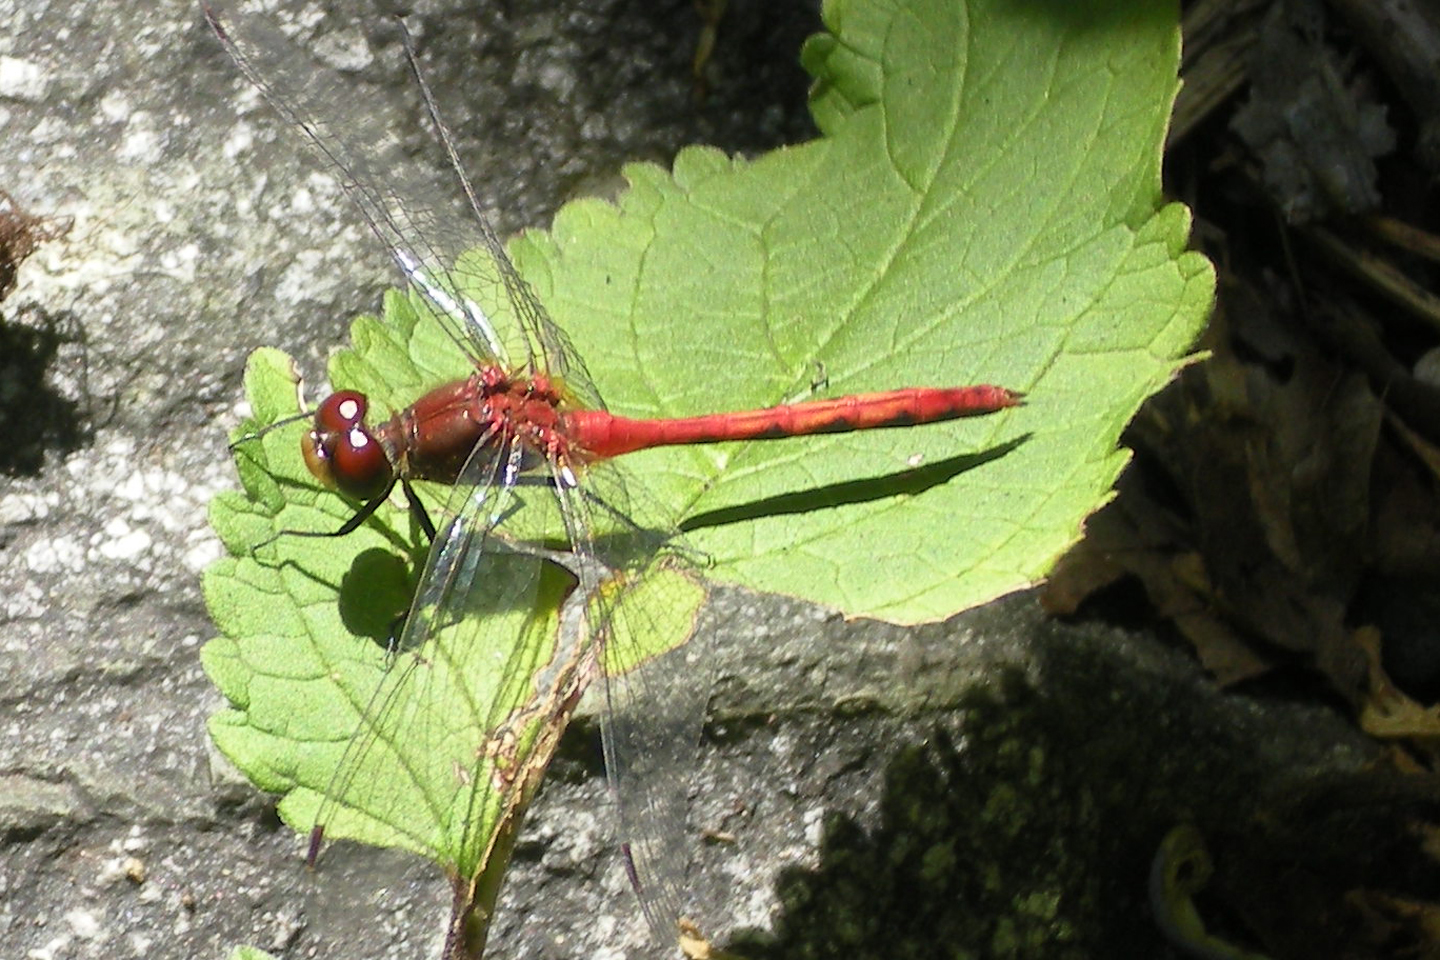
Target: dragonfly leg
{"x": 346, "y": 528}
{"x": 417, "y": 510}
{"x": 359, "y": 517}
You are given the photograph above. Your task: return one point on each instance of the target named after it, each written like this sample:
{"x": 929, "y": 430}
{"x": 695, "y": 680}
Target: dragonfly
{"x": 513, "y": 617}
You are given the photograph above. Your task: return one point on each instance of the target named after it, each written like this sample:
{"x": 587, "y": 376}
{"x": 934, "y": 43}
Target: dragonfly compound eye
{"x": 340, "y": 411}
{"x": 342, "y": 453}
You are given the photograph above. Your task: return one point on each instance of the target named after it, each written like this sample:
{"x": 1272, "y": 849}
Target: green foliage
{"x": 984, "y": 206}
{"x": 250, "y": 953}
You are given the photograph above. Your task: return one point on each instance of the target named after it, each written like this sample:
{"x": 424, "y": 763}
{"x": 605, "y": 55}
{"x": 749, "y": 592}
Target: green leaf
{"x": 250, "y": 953}
{"x": 983, "y": 207}
{"x": 303, "y": 657}
{"x": 417, "y": 786}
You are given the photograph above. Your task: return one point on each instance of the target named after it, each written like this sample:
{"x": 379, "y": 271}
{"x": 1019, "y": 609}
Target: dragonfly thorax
{"x": 434, "y": 437}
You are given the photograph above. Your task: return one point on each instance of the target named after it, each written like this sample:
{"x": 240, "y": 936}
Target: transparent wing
{"x": 545, "y": 340}
{"x": 452, "y": 263}
{"x": 397, "y": 781}
{"x": 655, "y": 679}
{"x": 651, "y": 724}
{"x": 493, "y": 654}
{"x": 482, "y": 674}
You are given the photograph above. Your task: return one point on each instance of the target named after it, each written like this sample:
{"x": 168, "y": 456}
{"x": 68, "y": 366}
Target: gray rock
{"x": 200, "y": 231}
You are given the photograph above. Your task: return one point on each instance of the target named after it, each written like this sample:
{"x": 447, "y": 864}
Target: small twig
{"x": 1405, "y": 236}
{"x": 1379, "y": 274}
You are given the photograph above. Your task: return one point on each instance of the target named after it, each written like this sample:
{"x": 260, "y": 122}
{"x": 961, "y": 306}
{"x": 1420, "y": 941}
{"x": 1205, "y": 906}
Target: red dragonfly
{"x": 486, "y": 597}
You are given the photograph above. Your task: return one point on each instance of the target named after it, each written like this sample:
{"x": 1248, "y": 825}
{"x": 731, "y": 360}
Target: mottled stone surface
{"x": 1031, "y": 766}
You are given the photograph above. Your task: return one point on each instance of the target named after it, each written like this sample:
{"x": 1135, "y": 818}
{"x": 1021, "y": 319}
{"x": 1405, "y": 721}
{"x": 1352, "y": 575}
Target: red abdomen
{"x": 602, "y": 435}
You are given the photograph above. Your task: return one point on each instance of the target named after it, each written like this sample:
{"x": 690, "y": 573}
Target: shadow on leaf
{"x": 905, "y": 483}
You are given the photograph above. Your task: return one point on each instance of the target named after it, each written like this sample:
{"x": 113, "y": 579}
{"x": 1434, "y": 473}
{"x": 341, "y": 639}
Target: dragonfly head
{"x": 342, "y": 452}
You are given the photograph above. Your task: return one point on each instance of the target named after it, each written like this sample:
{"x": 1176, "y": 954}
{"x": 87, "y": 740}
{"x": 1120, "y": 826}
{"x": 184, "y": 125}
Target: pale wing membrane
{"x": 654, "y": 698}
{"x": 423, "y": 240}
{"x": 491, "y": 606}
{"x": 547, "y": 342}
{"x": 651, "y": 727}
{"x": 474, "y": 683}
{"x": 408, "y": 762}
